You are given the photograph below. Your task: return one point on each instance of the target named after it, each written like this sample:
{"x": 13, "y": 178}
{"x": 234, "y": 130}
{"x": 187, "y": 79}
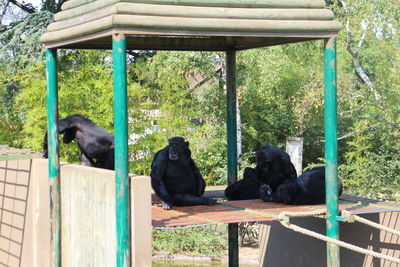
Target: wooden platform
{"x": 253, "y": 211}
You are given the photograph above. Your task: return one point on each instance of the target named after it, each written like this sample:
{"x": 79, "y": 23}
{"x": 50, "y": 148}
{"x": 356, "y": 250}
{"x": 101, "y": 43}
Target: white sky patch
{"x": 15, "y": 13}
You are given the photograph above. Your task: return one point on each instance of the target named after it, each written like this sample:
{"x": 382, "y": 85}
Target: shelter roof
{"x": 211, "y": 25}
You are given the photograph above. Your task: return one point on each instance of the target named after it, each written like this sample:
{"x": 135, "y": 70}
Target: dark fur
{"x": 308, "y": 188}
{"x": 273, "y": 168}
{"x": 95, "y": 143}
{"x": 247, "y": 188}
{"x": 175, "y": 178}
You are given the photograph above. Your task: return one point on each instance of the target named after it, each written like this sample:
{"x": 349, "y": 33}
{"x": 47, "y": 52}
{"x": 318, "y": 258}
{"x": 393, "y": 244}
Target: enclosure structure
{"x": 88, "y": 203}
{"x": 15, "y": 182}
{"x": 196, "y": 25}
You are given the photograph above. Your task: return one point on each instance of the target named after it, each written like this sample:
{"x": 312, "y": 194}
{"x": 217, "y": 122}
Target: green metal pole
{"x": 53, "y": 155}
{"x": 331, "y": 157}
{"x": 121, "y": 151}
{"x": 232, "y": 148}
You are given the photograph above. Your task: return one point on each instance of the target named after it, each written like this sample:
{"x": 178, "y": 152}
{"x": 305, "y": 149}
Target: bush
{"x": 375, "y": 176}
{"x": 199, "y": 241}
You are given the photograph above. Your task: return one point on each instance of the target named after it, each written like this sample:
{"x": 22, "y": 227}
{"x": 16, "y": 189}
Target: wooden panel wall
{"x": 280, "y": 246}
{"x": 88, "y": 215}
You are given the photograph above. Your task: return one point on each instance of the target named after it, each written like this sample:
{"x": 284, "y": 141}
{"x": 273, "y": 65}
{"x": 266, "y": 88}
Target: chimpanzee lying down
{"x": 273, "y": 168}
{"x": 175, "y": 178}
{"x": 308, "y": 188}
{"x": 95, "y": 143}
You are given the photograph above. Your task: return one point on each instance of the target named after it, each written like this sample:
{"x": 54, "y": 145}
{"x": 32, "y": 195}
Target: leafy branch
{"x": 355, "y": 52}
{"x": 25, "y": 7}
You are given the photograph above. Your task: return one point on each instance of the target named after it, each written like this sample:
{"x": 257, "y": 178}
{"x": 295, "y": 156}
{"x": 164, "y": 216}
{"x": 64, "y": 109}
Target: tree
{"x": 371, "y": 40}
{"x": 175, "y": 93}
{"x": 184, "y": 89}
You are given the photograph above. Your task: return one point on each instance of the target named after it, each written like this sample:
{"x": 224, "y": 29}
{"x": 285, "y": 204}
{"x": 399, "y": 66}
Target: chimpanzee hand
{"x": 209, "y": 201}
{"x": 266, "y": 192}
{"x": 266, "y": 189}
{"x": 166, "y": 205}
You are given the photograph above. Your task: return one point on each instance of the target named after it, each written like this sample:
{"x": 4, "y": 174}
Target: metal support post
{"x": 232, "y": 148}
{"x": 331, "y": 157}
{"x": 53, "y": 155}
{"x": 121, "y": 151}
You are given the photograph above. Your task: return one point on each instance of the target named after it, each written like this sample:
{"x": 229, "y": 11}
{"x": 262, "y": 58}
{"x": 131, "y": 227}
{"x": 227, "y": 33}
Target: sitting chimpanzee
{"x": 309, "y": 188}
{"x": 273, "y": 168}
{"x": 175, "y": 177}
{"x": 95, "y": 143}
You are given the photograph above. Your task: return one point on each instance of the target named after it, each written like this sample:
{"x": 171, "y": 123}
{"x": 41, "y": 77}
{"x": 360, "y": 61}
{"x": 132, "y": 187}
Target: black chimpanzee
{"x": 95, "y": 143}
{"x": 247, "y": 188}
{"x": 175, "y": 178}
{"x": 309, "y": 188}
{"x": 273, "y": 168}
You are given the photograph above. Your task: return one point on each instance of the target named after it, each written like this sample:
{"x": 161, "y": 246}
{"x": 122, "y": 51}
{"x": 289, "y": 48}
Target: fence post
{"x": 294, "y": 147}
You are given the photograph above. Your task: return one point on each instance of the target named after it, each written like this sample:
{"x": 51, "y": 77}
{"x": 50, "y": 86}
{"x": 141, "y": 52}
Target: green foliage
{"x": 10, "y": 124}
{"x": 20, "y": 45}
{"x": 370, "y": 124}
{"x": 280, "y": 92}
{"x": 196, "y": 112}
{"x": 205, "y": 241}
{"x": 265, "y": 113}
{"x": 281, "y": 95}
{"x": 19, "y": 49}
{"x": 373, "y": 175}
{"x": 85, "y": 87}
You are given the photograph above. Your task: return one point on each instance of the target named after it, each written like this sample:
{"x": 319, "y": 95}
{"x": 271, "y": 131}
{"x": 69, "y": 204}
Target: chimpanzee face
{"x": 177, "y": 148}
{"x": 70, "y": 134}
{"x": 264, "y": 160}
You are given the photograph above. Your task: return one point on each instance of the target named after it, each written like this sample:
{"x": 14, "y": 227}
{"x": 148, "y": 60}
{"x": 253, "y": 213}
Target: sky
{"x": 14, "y": 12}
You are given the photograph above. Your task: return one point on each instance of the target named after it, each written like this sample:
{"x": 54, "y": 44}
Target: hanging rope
{"x": 372, "y": 224}
{"x": 284, "y": 220}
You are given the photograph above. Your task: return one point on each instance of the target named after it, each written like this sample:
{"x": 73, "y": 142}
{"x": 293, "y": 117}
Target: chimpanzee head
{"x": 272, "y": 159}
{"x": 69, "y": 135}
{"x": 264, "y": 160}
{"x": 177, "y": 148}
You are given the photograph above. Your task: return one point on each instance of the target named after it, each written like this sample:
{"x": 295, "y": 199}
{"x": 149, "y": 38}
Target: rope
{"x": 285, "y": 214}
{"x": 376, "y": 225}
{"x": 284, "y": 220}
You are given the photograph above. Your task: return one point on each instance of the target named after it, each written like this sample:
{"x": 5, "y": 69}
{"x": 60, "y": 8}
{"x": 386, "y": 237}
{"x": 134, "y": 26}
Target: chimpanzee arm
{"x": 158, "y": 168}
{"x": 201, "y": 183}
{"x": 67, "y": 127}
{"x": 267, "y": 194}
{"x": 250, "y": 173}
{"x": 68, "y": 122}
{"x": 86, "y": 161}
